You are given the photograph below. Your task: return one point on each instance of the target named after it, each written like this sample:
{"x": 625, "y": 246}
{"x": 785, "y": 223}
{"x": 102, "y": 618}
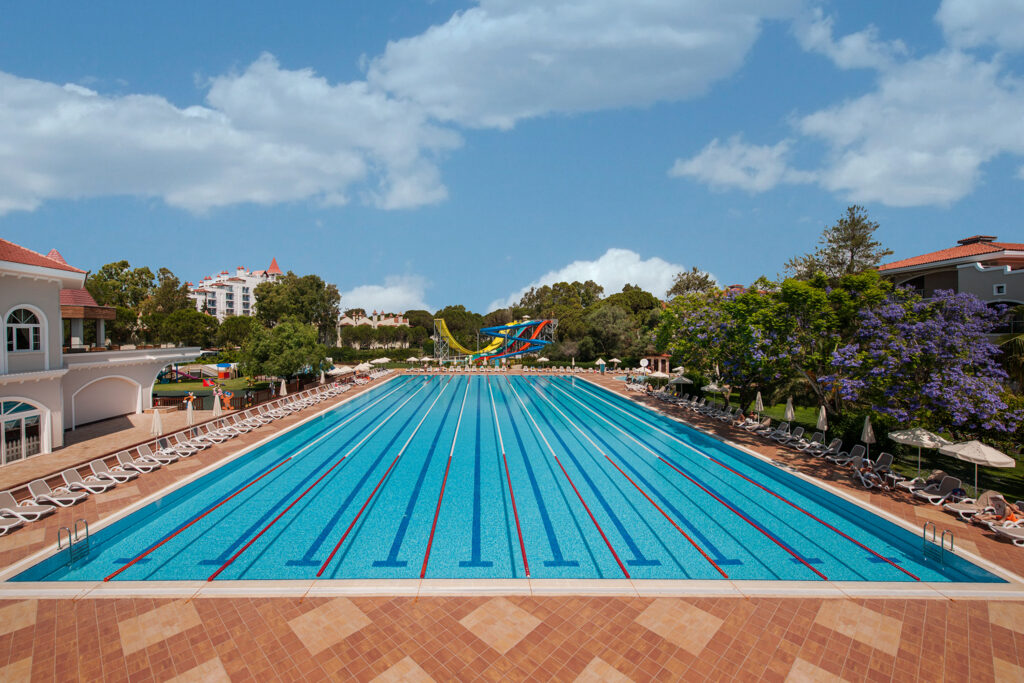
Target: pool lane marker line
{"x": 313, "y": 485}
{"x": 575, "y": 490}
{"x": 508, "y": 477}
{"x": 444, "y": 482}
{"x": 238, "y": 491}
{"x": 379, "y": 483}
{"x": 742, "y": 516}
{"x": 637, "y": 486}
{"x": 717, "y": 462}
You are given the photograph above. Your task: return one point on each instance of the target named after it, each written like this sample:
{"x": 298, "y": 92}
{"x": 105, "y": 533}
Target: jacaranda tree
{"x": 926, "y": 362}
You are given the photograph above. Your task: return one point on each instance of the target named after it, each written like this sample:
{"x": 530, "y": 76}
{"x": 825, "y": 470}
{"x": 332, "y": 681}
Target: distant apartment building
{"x": 993, "y": 271}
{"x": 226, "y": 294}
{"x": 376, "y": 321}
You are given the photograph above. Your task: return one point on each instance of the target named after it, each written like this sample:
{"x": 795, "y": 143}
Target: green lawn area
{"x": 198, "y": 388}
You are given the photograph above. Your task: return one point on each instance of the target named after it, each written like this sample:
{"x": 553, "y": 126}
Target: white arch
{"x": 138, "y": 394}
{"x": 45, "y": 445}
{"x": 44, "y": 334}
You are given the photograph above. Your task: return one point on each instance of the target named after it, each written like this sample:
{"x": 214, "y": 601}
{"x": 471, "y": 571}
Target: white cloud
{"x": 506, "y": 60}
{"x": 266, "y": 135}
{"x": 398, "y": 294}
{"x": 921, "y": 137}
{"x": 754, "y": 168}
{"x": 858, "y": 50}
{"x": 614, "y": 269}
{"x": 971, "y": 23}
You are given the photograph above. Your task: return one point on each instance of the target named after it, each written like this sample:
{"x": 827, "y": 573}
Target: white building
{"x": 227, "y": 294}
{"x": 376, "y": 320}
{"x": 48, "y": 386}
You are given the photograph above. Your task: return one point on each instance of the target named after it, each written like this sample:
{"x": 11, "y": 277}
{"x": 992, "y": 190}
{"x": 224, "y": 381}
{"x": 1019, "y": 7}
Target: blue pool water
{"x": 603, "y": 488}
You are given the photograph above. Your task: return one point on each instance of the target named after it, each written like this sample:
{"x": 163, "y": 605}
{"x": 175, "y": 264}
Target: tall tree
{"x": 692, "y": 281}
{"x": 289, "y": 349}
{"x": 235, "y": 330}
{"x": 846, "y": 248}
{"x": 118, "y": 284}
{"x": 307, "y": 299}
{"x": 189, "y": 327}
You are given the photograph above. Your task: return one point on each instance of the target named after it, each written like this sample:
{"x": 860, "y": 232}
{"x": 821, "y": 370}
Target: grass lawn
{"x": 198, "y": 388}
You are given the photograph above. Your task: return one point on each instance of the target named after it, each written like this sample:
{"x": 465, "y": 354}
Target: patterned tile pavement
{"x": 513, "y": 637}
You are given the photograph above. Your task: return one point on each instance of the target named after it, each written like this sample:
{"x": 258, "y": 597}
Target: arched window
{"x": 23, "y": 331}
{"x": 20, "y": 431}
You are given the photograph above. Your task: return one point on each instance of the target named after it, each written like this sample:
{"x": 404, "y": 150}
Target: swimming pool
{"x": 501, "y": 477}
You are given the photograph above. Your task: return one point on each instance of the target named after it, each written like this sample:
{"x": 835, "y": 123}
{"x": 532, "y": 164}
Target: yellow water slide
{"x": 442, "y": 327}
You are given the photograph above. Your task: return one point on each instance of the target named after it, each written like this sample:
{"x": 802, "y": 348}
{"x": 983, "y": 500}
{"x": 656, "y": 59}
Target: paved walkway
{"x": 505, "y": 637}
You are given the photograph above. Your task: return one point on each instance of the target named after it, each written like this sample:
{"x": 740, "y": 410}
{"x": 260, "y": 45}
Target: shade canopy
{"x": 867, "y": 435}
{"x": 660, "y": 375}
{"x": 679, "y": 368}
{"x": 217, "y": 410}
{"x": 363, "y": 367}
{"x": 790, "y": 414}
{"x": 822, "y": 419}
{"x": 284, "y": 389}
{"x": 381, "y": 361}
{"x": 339, "y": 370}
{"x": 190, "y": 417}
{"x": 918, "y": 436}
{"x": 322, "y": 378}
{"x": 681, "y": 380}
{"x": 712, "y": 388}
{"x": 615, "y": 360}
{"x": 156, "y": 427}
{"x": 542, "y": 359}
{"x": 758, "y": 403}
{"x": 979, "y": 454}
{"x": 600, "y": 361}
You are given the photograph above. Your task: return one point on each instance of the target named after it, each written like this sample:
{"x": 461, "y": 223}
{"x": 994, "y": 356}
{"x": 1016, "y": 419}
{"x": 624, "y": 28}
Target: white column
{"x": 77, "y": 332}
{"x": 101, "y": 332}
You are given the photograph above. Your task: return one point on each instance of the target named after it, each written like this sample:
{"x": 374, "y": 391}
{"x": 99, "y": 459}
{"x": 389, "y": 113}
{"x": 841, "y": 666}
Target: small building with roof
{"x": 991, "y": 270}
{"x": 51, "y": 382}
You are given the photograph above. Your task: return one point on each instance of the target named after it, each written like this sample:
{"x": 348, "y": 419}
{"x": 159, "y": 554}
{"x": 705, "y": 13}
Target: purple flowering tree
{"x": 927, "y": 362}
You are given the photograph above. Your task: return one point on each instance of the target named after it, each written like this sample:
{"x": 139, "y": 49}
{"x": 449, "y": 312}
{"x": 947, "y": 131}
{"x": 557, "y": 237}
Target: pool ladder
{"x": 78, "y": 543}
{"x": 929, "y": 547}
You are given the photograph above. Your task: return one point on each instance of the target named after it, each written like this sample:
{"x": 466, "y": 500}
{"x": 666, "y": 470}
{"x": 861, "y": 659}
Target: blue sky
{"x": 428, "y": 153}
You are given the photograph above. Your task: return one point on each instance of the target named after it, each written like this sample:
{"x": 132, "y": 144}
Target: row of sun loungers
{"x": 43, "y": 500}
{"x": 989, "y": 510}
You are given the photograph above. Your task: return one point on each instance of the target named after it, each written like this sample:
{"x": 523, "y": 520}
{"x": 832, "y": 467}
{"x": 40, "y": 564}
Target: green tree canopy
{"x": 692, "y": 281}
{"x": 118, "y": 284}
{"x": 307, "y": 299}
{"x": 189, "y": 327}
{"x": 235, "y": 330}
{"x": 291, "y": 347}
{"x": 846, "y": 248}
{"x": 420, "y": 318}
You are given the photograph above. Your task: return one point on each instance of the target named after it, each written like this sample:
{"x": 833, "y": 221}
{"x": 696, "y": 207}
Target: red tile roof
{"x": 960, "y": 251}
{"x": 273, "y": 269}
{"x": 9, "y": 251}
{"x": 76, "y": 297}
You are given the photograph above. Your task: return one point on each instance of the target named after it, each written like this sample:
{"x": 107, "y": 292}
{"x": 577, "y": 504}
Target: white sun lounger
{"x": 9, "y": 507}
{"x": 92, "y": 484}
{"x": 126, "y": 463}
{"x": 60, "y": 496}
{"x": 942, "y": 493}
{"x": 160, "y": 458}
{"x": 9, "y": 524}
{"x": 103, "y": 473}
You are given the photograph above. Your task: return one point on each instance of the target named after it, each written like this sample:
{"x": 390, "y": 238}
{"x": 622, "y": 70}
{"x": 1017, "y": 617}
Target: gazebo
{"x": 77, "y": 306}
{"x": 659, "y": 363}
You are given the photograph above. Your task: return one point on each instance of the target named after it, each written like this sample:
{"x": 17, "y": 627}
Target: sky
{"x": 424, "y": 153}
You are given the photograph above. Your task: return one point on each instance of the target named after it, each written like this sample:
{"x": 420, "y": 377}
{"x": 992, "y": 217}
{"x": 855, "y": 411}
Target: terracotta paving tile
{"x": 328, "y": 624}
{"x": 17, "y": 615}
{"x": 689, "y": 627}
{"x": 861, "y": 623}
{"x": 1008, "y": 615}
{"x": 500, "y": 623}
{"x": 15, "y": 672}
{"x": 158, "y": 624}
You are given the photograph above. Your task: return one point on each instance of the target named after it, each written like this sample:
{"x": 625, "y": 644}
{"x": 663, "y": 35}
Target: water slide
{"x": 512, "y": 339}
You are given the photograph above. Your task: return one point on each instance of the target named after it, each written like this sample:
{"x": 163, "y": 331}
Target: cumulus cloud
{"x": 506, "y": 60}
{"x": 971, "y": 23}
{"x": 863, "y": 49}
{"x": 399, "y": 293}
{"x": 754, "y": 168}
{"x": 920, "y": 137}
{"x": 614, "y": 269}
{"x": 265, "y": 135}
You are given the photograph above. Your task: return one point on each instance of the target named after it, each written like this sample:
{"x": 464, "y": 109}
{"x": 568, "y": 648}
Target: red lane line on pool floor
{"x": 615, "y": 465}
{"x": 508, "y": 476}
{"x": 515, "y": 513}
{"x": 575, "y": 490}
{"x": 311, "y": 487}
{"x": 746, "y": 519}
{"x": 352, "y": 524}
{"x": 816, "y": 519}
{"x": 672, "y": 521}
{"x": 444, "y": 482}
{"x": 168, "y": 538}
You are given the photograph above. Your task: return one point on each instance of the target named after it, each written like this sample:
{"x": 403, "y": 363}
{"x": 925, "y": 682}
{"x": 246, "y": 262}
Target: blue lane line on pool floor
{"x": 475, "y": 560}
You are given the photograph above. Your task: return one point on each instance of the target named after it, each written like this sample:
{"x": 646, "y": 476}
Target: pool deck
{"x": 609, "y": 630}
